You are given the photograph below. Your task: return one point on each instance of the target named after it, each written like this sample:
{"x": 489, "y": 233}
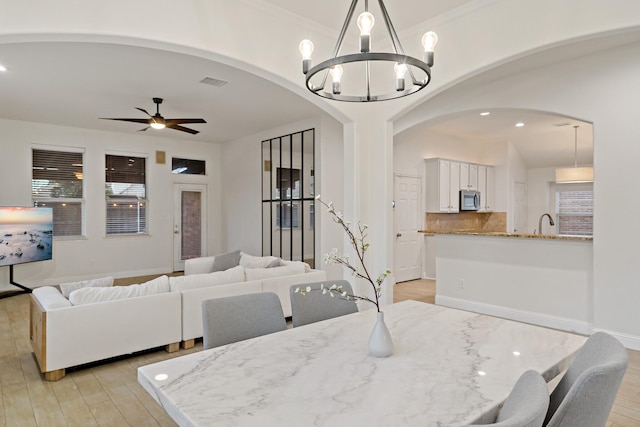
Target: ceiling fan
{"x": 158, "y": 122}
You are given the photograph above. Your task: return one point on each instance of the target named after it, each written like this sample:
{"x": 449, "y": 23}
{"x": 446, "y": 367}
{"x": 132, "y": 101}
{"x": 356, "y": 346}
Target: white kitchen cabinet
{"x": 442, "y": 185}
{"x": 469, "y": 176}
{"x": 486, "y": 187}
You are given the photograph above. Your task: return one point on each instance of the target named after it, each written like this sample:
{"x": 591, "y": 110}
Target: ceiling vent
{"x": 213, "y": 82}
{"x": 561, "y": 124}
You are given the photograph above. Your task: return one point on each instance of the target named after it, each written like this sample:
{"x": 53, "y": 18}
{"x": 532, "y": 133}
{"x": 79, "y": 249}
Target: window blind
{"x": 57, "y": 182}
{"x": 125, "y": 189}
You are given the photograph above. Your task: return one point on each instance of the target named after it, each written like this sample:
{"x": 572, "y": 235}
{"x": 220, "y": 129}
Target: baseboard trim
{"x": 545, "y": 320}
{"x": 629, "y": 341}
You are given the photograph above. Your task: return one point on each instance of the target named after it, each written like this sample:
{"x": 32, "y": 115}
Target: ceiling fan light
{"x": 157, "y": 125}
{"x": 574, "y": 175}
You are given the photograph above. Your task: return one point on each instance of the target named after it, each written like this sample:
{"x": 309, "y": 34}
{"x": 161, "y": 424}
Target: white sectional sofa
{"x": 275, "y": 279}
{"x": 65, "y": 335}
{"x": 97, "y": 323}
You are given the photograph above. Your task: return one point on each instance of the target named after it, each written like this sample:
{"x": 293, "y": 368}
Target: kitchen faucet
{"x": 540, "y": 222}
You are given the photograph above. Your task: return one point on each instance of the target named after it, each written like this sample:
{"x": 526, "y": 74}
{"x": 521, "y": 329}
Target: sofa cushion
{"x": 307, "y": 267}
{"x": 50, "y": 298}
{"x": 94, "y": 295}
{"x": 195, "y": 281}
{"x": 266, "y": 273}
{"x": 250, "y": 261}
{"x": 226, "y": 261}
{"x": 200, "y": 265}
{"x": 275, "y": 263}
{"x": 67, "y": 288}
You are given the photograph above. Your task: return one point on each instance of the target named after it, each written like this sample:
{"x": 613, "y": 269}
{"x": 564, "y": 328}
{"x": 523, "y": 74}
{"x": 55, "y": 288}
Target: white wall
{"x": 97, "y": 255}
{"x": 541, "y": 281}
{"x": 241, "y": 169}
{"x": 599, "y": 89}
{"x": 538, "y": 197}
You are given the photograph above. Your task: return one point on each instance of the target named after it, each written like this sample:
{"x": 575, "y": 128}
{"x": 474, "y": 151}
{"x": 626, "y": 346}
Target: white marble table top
{"x": 449, "y": 367}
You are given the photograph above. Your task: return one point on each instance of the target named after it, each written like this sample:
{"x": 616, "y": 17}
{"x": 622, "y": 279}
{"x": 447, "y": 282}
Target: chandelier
{"x": 390, "y": 68}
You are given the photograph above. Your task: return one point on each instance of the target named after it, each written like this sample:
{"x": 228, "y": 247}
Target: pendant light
{"x": 575, "y": 174}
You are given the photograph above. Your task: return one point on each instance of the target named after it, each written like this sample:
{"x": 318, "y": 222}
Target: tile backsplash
{"x": 467, "y": 221}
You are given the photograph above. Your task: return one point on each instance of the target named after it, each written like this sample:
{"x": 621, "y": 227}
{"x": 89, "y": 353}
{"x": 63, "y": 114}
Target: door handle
{"x": 399, "y": 235}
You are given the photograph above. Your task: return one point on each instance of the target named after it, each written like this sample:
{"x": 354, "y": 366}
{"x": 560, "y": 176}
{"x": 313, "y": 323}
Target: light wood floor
{"x": 108, "y": 394}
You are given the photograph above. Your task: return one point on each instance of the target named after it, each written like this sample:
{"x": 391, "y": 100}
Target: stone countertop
{"x": 505, "y": 234}
{"x": 268, "y": 381}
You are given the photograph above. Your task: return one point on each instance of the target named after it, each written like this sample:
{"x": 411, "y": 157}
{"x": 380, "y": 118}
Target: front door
{"x": 407, "y": 222}
{"x": 189, "y": 223}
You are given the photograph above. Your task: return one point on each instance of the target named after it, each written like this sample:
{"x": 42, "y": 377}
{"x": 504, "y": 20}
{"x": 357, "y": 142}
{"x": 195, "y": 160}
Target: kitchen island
{"x": 541, "y": 279}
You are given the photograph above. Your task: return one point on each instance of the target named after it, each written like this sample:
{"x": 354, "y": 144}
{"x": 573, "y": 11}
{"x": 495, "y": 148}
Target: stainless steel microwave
{"x": 469, "y": 200}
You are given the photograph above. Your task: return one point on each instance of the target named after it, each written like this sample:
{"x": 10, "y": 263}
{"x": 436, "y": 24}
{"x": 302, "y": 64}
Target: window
{"x": 188, "y": 166}
{"x": 125, "y": 189}
{"x": 56, "y": 182}
{"x": 574, "y": 209}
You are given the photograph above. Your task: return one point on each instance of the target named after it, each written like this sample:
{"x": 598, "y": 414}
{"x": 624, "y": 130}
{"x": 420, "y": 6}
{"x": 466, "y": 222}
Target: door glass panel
{"x": 191, "y": 226}
{"x": 287, "y": 197}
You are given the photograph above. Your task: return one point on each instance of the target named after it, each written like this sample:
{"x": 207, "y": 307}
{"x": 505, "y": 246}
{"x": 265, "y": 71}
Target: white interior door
{"x": 519, "y": 207}
{"x": 189, "y": 223}
{"x": 407, "y": 221}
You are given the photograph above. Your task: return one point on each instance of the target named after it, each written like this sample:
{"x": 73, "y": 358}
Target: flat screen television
{"x": 26, "y": 235}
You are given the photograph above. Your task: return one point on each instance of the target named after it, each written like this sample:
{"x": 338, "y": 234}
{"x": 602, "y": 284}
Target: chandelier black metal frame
{"x": 403, "y": 63}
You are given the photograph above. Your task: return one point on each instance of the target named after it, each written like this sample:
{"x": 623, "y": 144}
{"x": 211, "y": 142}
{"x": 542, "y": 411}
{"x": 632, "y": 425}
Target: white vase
{"x": 380, "y": 343}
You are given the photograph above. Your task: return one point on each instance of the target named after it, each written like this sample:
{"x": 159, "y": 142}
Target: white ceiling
{"x": 74, "y": 84}
{"x": 403, "y": 14}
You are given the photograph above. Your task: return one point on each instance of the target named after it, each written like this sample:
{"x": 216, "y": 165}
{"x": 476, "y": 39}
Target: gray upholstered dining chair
{"x": 314, "y": 306}
{"x": 237, "y": 318}
{"x": 585, "y": 394}
{"x": 527, "y": 403}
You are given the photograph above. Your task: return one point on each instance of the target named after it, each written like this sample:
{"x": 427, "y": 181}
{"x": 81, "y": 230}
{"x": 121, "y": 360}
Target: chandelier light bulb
{"x": 336, "y": 76}
{"x": 365, "y": 23}
{"x": 429, "y": 41}
{"x": 306, "y": 49}
{"x": 400, "y": 70}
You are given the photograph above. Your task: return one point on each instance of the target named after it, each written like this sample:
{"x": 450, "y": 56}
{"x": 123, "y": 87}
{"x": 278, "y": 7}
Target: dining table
{"x": 448, "y": 367}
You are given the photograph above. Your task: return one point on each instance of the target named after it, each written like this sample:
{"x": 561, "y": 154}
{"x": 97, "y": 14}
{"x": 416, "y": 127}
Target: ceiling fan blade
{"x": 128, "y": 120}
{"x": 143, "y": 129}
{"x": 144, "y": 111}
{"x": 181, "y": 121}
{"x": 183, "y": 129}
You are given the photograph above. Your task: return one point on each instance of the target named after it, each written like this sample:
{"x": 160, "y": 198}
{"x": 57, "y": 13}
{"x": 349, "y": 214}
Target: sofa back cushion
{"x": 67, "y": 288}
{"x": 250, "y": 261}
{"x": 201, "y": 265}
{"x": 266, "y": 273}
{"x": 50, "y": 298}
{"x": 226, "y": 261}
{"x": 94, "y": 295}
{"x": 195, "y": 281}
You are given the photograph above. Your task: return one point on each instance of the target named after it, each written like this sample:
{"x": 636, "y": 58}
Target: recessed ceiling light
{"x": 3, "y": 68}
{"x": 485, "y": 113}
{"x": 519, "y": 124}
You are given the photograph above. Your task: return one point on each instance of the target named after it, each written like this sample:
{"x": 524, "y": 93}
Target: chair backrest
{"x": 585, "y": 394}
{"x": 314, "y": 306}
{"x": 527, "y": 403}
{"x": 237, "y": 318}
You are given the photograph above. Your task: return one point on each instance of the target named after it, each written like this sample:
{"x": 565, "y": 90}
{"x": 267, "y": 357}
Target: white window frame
{"x": 40, "y": 201}
{"x": 130, "y": 200}
{"x": 555, "y": 187}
